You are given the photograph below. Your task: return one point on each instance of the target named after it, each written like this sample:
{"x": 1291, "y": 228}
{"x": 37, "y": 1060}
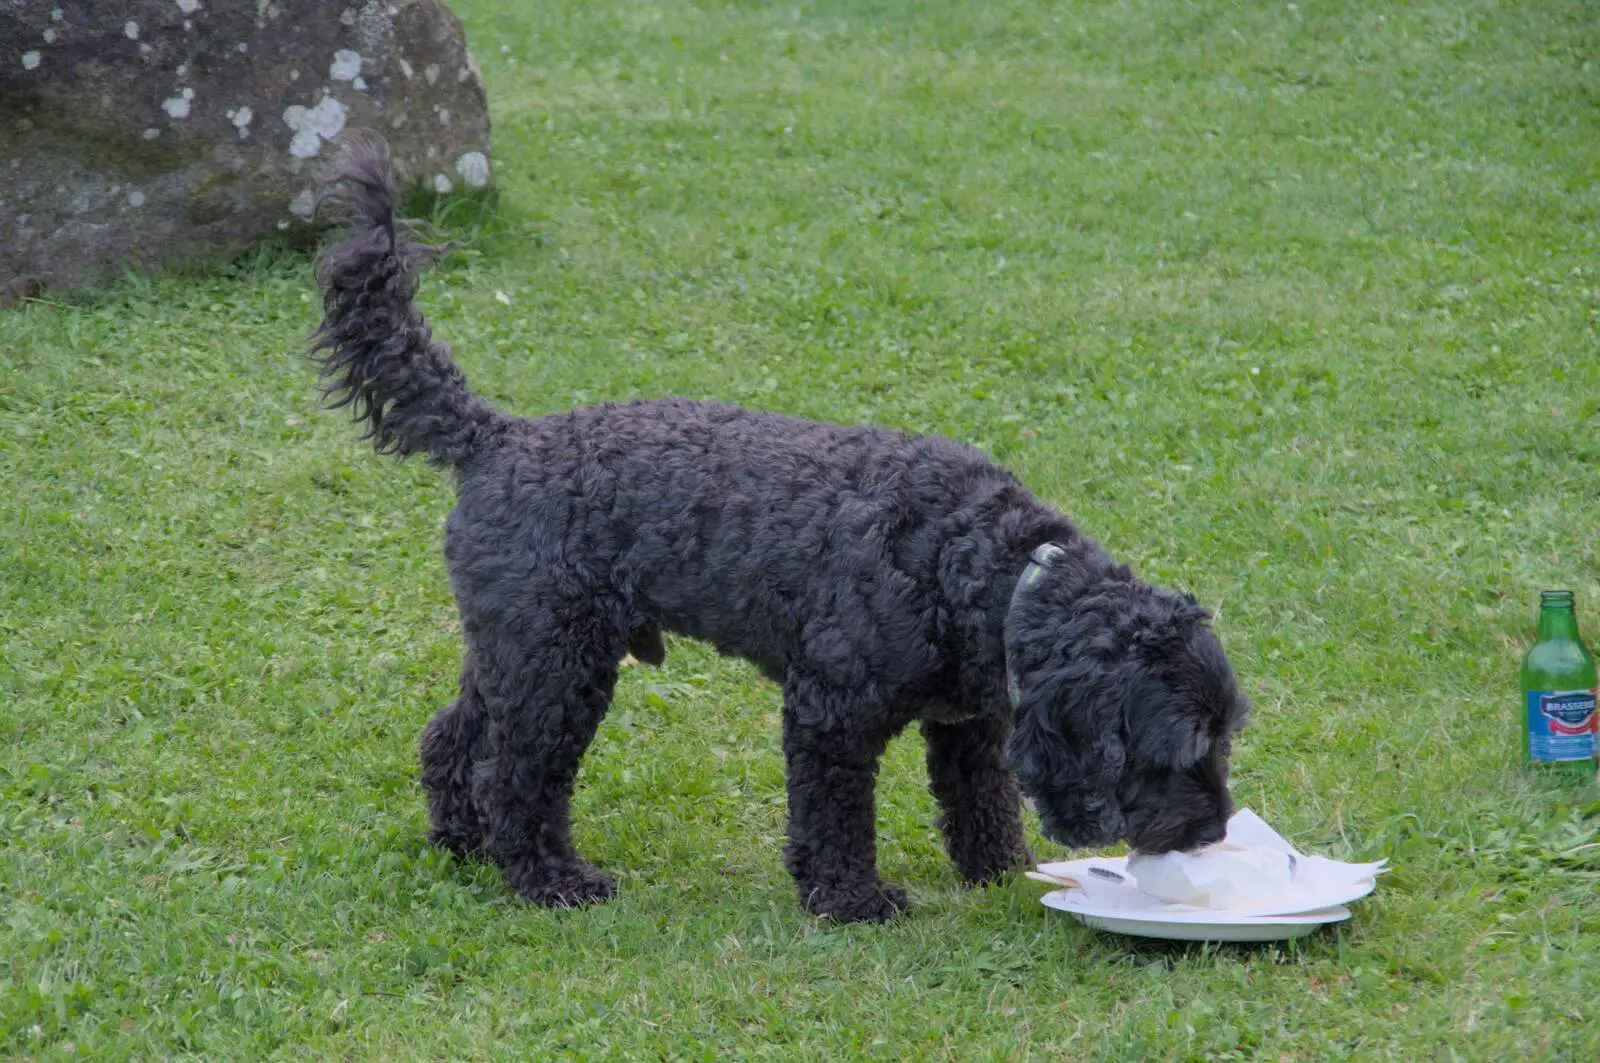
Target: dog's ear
{"x": 1067, "y": 748}
{"x": 1195, "y": 704}
{"x": 1171, "y": 733}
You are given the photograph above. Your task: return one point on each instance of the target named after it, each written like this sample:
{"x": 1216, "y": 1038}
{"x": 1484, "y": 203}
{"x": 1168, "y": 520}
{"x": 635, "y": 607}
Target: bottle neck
{"x": 1557, "y": 622}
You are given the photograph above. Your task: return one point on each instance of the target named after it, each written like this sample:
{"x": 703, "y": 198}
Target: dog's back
{"x": 737, "y": 526}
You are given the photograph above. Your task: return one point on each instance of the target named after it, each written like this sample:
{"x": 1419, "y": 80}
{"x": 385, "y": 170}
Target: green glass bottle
{"x": 1558, "y": 693}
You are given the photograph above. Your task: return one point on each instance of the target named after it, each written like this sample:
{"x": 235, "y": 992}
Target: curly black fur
{"x": 868, "y": 572}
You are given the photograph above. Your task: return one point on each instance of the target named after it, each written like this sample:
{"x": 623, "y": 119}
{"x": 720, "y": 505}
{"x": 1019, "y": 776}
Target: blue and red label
{"x": 1562, "y": 724}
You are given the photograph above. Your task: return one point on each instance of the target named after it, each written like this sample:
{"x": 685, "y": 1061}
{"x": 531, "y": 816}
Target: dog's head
{"x": 1126, "y": 708}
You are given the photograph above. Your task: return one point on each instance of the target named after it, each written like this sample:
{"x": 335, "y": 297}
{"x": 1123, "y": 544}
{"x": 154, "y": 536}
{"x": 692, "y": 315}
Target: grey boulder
{"x": 158, "y": 133}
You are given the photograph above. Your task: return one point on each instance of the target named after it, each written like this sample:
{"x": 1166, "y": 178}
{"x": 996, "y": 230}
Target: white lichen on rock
{"x": 346, "y": 65}
{"x": 241, "y": 118}
{"x": 130, "y": 29}
{"x": 188, "y": 7}
{"x": 30, "y": 60}
{"x": 304, "y": 203}
{"x": 313, "y": 125}
{"x": 441, "y": 184}
{"x": 178, "y": 106}
{"x": 474, "y": 169}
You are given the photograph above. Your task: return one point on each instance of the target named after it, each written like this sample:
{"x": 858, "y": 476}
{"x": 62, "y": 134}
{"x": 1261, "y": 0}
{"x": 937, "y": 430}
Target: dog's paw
{"x": 565, "y": 886}
{"x": 988, "y": 868}
{"x": 895, "y": 895}
{"x": 462, "y": 844}
{"x": 871, "y": 903}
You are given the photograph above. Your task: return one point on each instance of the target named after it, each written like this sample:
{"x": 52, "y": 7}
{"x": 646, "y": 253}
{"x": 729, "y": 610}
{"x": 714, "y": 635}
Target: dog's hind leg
{"x": 546, "y": 679}
{"x": 451, "y": 744}
{"x": 832, "y": 768}
{"x": 982, "y": 813}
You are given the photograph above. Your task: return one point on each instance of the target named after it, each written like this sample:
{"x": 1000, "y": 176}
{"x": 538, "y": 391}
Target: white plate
{"x": 1310, "y": 891}
{"x": 1192, "y": 925}
{"x": 1105, "y": 895}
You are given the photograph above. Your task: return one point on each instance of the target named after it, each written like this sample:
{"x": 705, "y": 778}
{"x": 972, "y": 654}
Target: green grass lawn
{"x": 1294, "y": 307}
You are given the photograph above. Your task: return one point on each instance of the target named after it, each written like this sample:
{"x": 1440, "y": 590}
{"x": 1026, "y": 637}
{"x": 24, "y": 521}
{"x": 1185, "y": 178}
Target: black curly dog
{"x": 879, "y": 578}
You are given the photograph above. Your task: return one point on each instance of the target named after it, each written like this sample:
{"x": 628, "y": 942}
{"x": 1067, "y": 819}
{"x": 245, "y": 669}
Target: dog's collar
{"x": 1042, "y": 558}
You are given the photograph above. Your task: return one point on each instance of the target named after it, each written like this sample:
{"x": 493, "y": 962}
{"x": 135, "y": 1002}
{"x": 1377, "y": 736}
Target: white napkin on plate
{"x": 1253, "y": 867}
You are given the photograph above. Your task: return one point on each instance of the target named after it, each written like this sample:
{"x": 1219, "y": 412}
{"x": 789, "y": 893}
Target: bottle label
{"x": 1562, "y": 724}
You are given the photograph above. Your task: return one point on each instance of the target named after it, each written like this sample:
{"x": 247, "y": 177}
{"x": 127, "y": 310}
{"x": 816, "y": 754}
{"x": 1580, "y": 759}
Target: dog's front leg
{"x": 832, "y": 766}
{"x": 977, "y": 794}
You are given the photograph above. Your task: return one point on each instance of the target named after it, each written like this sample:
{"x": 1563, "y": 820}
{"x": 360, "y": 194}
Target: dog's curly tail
{"x": 375, "y": 350}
